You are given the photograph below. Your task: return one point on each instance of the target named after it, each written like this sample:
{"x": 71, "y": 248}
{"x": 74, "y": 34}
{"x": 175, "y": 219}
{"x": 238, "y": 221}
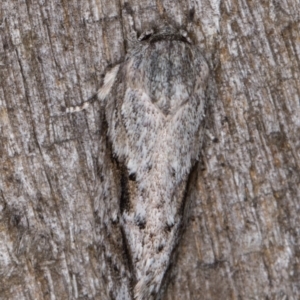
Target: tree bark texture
{"x": 59, "y": 238}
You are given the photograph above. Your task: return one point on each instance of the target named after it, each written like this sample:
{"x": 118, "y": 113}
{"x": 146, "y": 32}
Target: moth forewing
{"x": 154, "y": 106}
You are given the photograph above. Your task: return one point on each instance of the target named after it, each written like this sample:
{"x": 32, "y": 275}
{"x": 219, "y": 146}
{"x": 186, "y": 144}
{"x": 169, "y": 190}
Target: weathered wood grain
{"x": 59, "y": 237}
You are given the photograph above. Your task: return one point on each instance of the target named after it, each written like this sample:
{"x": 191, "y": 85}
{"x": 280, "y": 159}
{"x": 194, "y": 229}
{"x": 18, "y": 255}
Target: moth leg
{"x": 101, "y": 94}
{"x": 78, "y": 108}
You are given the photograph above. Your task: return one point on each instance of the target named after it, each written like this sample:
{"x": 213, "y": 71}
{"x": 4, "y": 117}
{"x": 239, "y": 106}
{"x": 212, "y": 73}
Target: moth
{"x": 154, "y": 104}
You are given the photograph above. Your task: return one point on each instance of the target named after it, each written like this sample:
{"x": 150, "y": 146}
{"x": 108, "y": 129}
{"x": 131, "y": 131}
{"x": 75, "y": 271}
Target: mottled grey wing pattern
{"x": 154, "y": 107}
{"x": 154, "y": 111}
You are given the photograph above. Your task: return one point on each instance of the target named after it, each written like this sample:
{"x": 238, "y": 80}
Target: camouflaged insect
{"x": 154, "y": 106}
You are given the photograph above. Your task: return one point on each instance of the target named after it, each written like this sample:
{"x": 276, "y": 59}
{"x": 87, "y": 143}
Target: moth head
{"x": 166, "y": 32}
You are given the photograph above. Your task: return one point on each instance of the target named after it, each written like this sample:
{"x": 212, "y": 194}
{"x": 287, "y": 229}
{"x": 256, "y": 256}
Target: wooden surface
{"x": 58, "y": 236}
